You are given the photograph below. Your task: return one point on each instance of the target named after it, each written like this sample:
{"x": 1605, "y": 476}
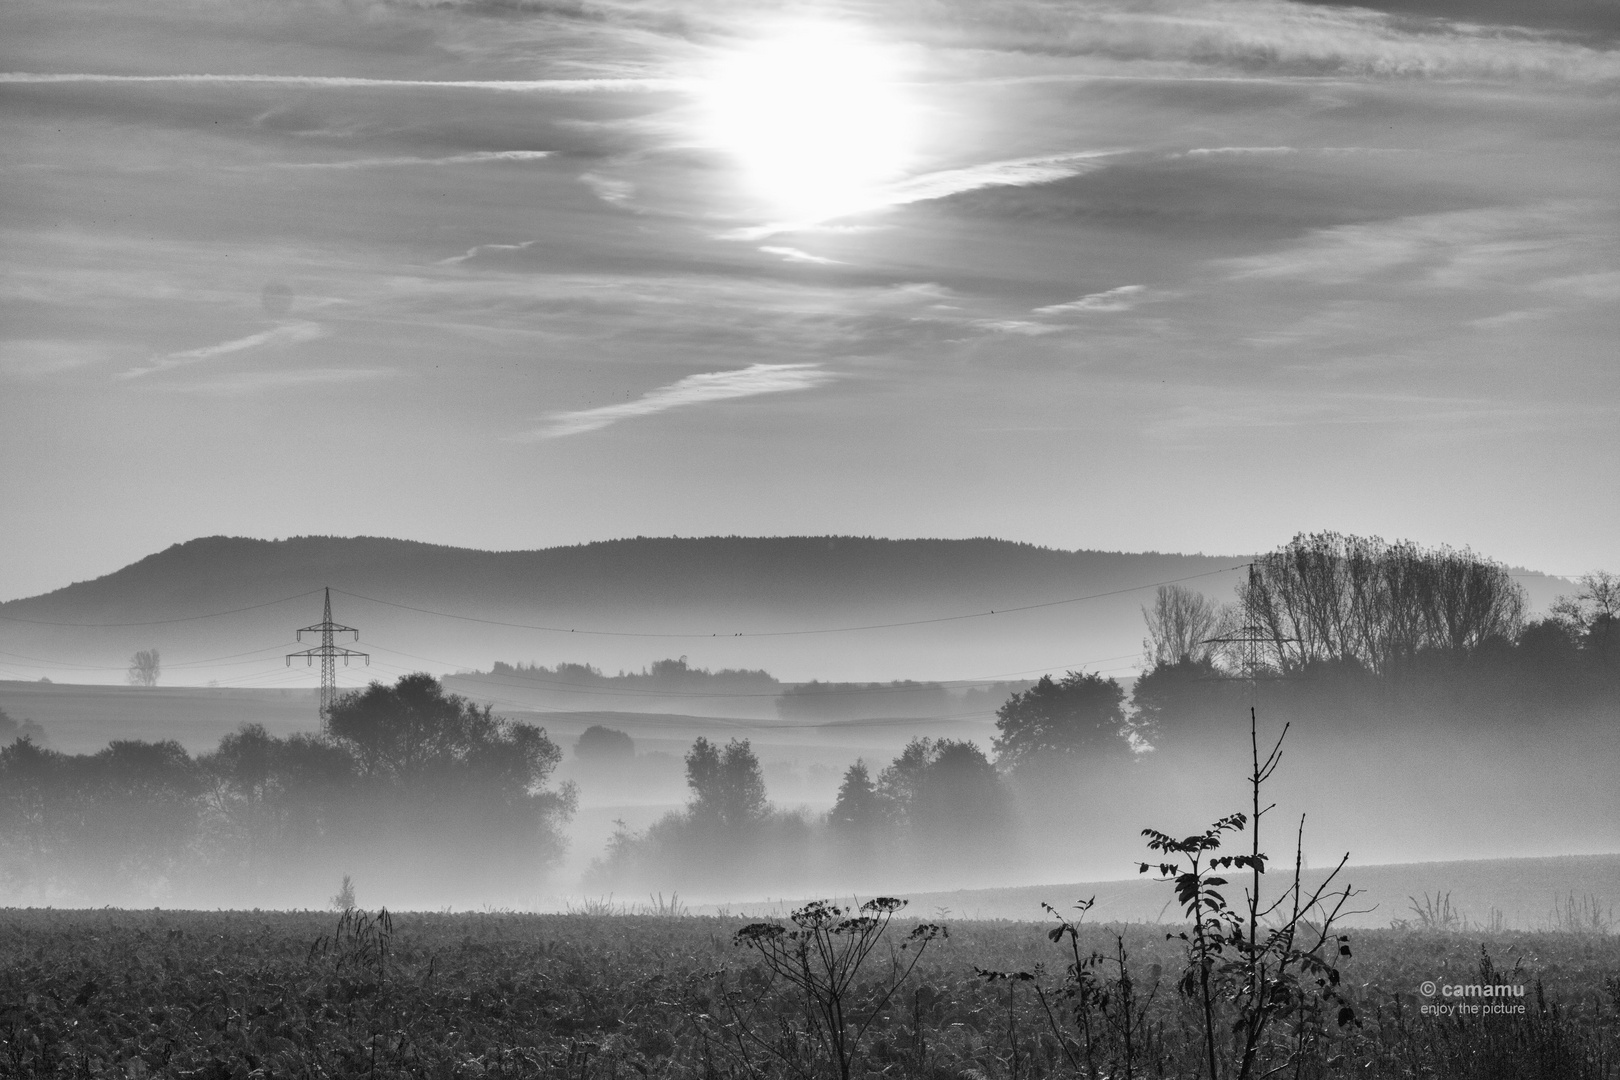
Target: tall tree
{"x": 728, "y": 786}
{"x": 1592, "y": 615}
{"x": 1351, "y": 601}
{"x": 1062, "y": 721}
{"x": 1175, "y": 703}
{"x": 449, "y": 769}
{"x": 859, "y": 807}
{"x": 1180, "y": 625}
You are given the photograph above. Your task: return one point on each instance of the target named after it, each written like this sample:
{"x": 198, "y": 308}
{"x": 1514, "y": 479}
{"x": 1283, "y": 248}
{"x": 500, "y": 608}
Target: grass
{"x": 312, "y": 994}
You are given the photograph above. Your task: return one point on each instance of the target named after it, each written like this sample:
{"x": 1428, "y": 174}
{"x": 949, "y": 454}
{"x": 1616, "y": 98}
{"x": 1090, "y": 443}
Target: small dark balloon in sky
{"x": 277, "y": 299}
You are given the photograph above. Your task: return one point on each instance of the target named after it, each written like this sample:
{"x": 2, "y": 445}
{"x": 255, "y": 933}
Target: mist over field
{"x": 1435, "y": 713}
{"x": 764, "y": 450}
{"x": 810, "y": 539}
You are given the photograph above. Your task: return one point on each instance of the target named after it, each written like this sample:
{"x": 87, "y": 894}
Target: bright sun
{"x": 814, "y": 116}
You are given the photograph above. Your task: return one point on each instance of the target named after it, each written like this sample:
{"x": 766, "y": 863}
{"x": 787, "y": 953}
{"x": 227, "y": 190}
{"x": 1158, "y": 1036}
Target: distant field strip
{"x": 983, "y": 614}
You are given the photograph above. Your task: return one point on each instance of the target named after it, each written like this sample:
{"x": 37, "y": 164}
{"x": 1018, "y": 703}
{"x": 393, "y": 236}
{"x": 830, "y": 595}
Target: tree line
{"x": 407, "y": 785}
{"x": 1328, "y": 628}
{"x": 938, "y": 802}
{"x": 409, "y": 781}
{"x": 1379, "y": 634}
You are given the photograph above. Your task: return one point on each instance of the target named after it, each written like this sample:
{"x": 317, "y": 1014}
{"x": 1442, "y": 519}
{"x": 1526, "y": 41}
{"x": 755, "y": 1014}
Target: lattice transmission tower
{"x": 1250, "y": 640}
{"x": 328, "y": 652}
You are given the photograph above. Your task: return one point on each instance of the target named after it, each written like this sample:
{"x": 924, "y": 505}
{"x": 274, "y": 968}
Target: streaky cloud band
{"x": 476, "y": 158}
{"x": 942, "y": 184}
{"x": 286, "y": 334}
{"x": 340, "y": 82}
{"x": 693, "y": 390}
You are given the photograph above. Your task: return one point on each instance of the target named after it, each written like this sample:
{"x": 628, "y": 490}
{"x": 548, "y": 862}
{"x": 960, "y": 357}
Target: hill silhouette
{"x": 631, "y": 574}
{"x": 788, "y": 605}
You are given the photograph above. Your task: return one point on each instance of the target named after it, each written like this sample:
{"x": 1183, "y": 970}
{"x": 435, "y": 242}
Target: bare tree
{"x": 1593, "y": 614}
{"x": 144, "y": 668}
{"x": 1179, "y": 626}
{"x": 1598, "y": 601}
{"x": 1335, "y": 598}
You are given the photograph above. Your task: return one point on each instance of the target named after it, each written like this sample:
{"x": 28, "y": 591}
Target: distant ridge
{"x": 692, "y": 593}
{"x": 221, "y": 568}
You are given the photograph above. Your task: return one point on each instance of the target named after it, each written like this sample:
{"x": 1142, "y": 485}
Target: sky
{"x": 1175, "y": 275}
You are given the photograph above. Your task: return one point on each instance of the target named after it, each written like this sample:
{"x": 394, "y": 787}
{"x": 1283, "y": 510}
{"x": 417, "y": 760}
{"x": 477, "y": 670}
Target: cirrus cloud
{"x": 346, "y": 82}
{"x": 288, "y": 334}
{"x": 697, "y": 389}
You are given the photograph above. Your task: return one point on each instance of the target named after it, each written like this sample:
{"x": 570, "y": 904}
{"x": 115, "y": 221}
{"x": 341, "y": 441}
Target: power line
{"x": 625, "y": 633}
{"x": 793, "y": 633}
{"x": 210, "y": 661}
{"x": 161, "y": 622}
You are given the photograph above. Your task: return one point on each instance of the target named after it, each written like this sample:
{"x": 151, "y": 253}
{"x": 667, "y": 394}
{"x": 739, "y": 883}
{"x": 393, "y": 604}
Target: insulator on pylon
{"x": 328, "y": 652}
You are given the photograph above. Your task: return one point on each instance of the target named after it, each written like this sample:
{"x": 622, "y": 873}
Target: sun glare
{"x": 814, "y": 116}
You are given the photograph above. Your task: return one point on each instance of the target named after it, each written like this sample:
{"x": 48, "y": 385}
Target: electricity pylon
{"x": 328, "y": 653}
{"x": 1250, "y": 638}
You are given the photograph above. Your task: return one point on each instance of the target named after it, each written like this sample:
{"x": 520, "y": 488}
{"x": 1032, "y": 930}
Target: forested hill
{"x": 220, "y": 571}
{"x": 698, "y": 594}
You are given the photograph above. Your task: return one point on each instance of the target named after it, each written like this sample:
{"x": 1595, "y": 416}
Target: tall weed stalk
{"x": 1263, "y": 976}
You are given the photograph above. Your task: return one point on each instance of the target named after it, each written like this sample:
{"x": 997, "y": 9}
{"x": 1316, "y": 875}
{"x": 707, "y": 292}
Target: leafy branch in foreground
{"x": 1255, "y": 968}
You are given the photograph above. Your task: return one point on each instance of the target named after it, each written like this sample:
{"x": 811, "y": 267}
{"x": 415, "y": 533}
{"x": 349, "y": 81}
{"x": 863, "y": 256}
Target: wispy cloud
{"x": 238, "y": 383}
{"x": 288, "y": 334}
{"x": 343, "y": 82}
{"x": 1453, "y": 249}
{"x": 1510, "y": 318}
{"x": 474, "y": 252}
{"x": 610, "y": 189}
{"x": 1121, "y": 299}
{"x": 698, "y": 389}
{"x": 792, "y": 254}
{"x": 477, "y": 158}
{"x": 942, "y": 184}
{"x": 1018, "y": 172}
{"x": 1017, "y": 326}
{"x": 1291, "y": 151}
{"x": 1259, "y": 37}
{"x": 1206, "y": 151}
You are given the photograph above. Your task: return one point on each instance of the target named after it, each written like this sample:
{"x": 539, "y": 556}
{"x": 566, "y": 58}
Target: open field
{"x": 81, "y": 718}
{"x": 1518, "y": 894}
{"x": 299, "y": 994}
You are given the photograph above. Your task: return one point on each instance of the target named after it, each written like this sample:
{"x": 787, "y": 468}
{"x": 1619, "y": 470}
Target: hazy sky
{"x": 1168, "y": 274}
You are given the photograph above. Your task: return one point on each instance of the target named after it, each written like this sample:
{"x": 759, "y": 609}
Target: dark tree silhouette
{"x": 1331, "y": 598}
{"x": 276, "y": 799}
{"x": 604, "y": 745}
{"x": 1592, "y": 617}
{"x": 943, "y": 790}
{"x": 960, "y": 796}
{"x": 859, "y": 807}
{"x": 901, "y": 779}
{"x": 1174, "y": 703}
{"x": 143, "y": 797}
{"x": 1055, "y": 722}
{"x": 413, "y": 732}
{"x": 728, "y": 787}
{"x": 451, "y": 775}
